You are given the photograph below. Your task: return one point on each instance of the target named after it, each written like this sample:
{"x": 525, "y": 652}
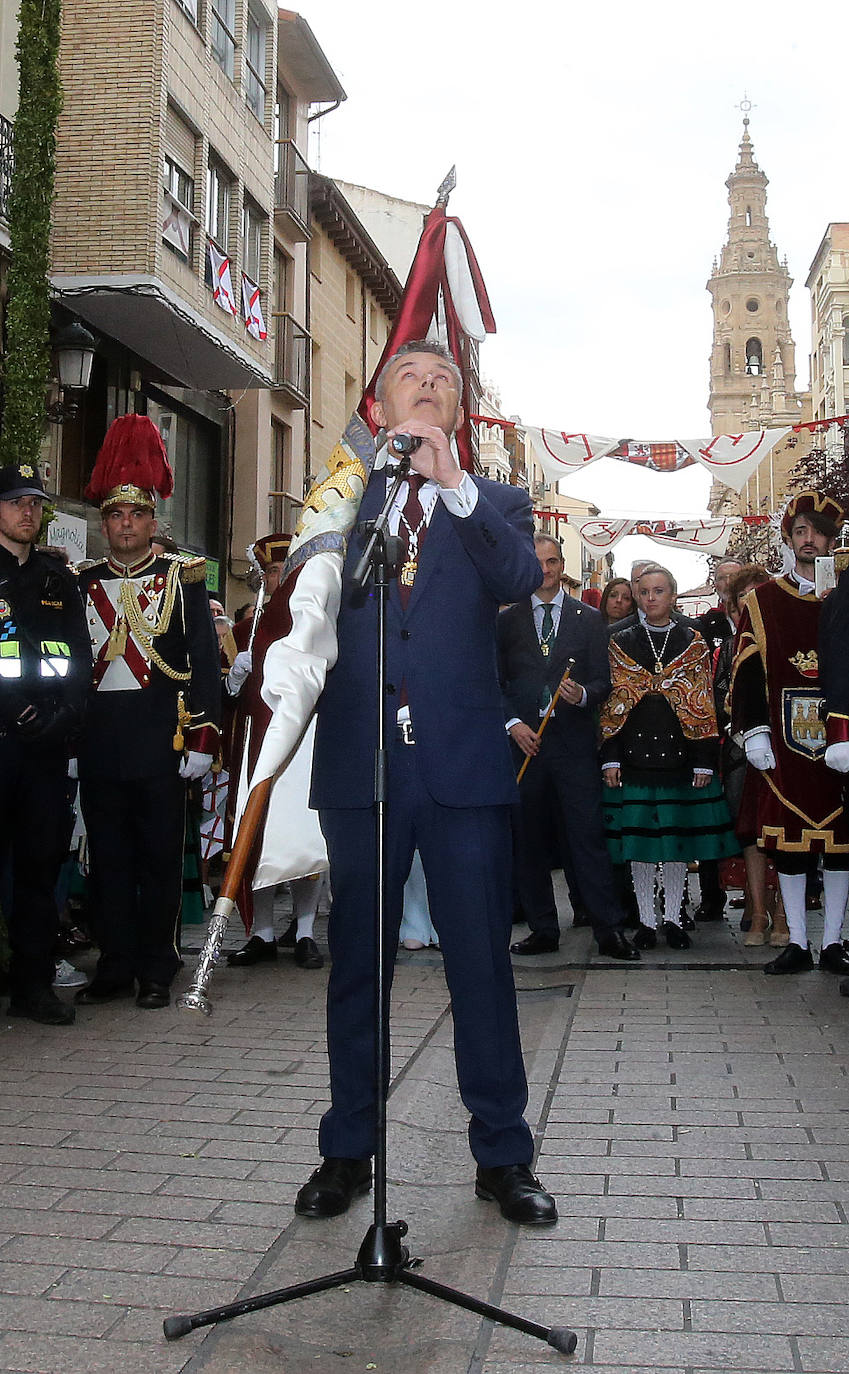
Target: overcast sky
{"x": 592, "y": 145}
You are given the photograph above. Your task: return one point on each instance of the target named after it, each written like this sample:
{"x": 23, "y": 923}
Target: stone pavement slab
{"x": 690, "y": 1116}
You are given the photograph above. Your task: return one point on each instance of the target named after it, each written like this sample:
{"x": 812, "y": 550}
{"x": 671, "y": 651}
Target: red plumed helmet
{"x": 132, "y": 465}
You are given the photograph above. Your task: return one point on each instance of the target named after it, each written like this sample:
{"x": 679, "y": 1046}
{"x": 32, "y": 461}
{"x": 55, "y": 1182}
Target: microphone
{"x": 405, "y": 443}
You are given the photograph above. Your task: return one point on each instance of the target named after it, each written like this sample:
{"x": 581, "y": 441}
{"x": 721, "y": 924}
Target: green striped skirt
{"x": 672, "y": 824}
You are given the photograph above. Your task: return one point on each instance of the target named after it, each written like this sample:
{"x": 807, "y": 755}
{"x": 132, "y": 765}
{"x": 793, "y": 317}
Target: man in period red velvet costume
{"x": 776, "y": 700}
{"x": 246, "y": 717}
{"x": 152, "y": 719}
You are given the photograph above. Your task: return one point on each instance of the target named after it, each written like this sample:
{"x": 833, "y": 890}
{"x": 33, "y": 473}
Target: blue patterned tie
{"x": 545, "y": 637}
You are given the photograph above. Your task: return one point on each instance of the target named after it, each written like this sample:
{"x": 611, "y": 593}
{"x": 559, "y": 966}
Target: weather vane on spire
{"x": 745, "y": 105}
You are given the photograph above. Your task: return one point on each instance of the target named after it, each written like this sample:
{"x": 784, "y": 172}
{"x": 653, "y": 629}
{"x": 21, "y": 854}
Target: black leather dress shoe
{"x": 153, "y": 995}
{"x": 614, "y": 944}
{"x": 98, "y": 992}
{"x": 520, "y": 1196}
{"x": 332, "y": 1188}
{"x": 42, "y": 1004}
{"x": 536, "y": 944}
{"x": 676, "y": 937}
{"x": 645, "y": 938}
{"x": 254, "y": 952}
{"x": 307, "y": 953}
{"x": 834, "y": 958}
{"x": 793, "y": 959}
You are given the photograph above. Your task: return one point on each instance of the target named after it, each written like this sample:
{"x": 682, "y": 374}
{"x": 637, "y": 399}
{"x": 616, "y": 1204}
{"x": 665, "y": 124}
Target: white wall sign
{"x": 68, "y": 532}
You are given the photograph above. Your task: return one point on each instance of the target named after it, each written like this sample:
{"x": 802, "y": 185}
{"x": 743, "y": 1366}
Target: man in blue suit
{"x": 469, "y": 548}
{"x": 536, "y": 639}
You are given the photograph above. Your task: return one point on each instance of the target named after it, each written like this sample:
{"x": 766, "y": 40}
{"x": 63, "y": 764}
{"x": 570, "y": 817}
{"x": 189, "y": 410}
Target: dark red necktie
{"x": 412, "y": 529}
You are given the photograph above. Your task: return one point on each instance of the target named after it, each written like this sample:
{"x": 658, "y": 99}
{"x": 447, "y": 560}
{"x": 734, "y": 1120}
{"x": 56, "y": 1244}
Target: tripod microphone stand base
{"x": 381, "y": 1259}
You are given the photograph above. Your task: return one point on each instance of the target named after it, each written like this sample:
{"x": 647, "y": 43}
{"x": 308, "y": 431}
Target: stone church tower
{"x": 753, "y": 360}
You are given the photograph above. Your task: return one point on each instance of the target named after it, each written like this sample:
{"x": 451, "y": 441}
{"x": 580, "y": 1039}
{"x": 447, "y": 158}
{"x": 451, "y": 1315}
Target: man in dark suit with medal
{"x": 536, "y": 640}
{"x": 450, "y": 789}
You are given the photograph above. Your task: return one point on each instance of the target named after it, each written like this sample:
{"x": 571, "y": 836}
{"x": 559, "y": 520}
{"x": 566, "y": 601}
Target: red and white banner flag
{"x": 445, "y": 298}
{"x": 731, "y": 458}
{"x": 295, "y": 644}
{"x": 222, "y": 283}
{"x": 254, "y": 323}
{"x": 176, "y": 224}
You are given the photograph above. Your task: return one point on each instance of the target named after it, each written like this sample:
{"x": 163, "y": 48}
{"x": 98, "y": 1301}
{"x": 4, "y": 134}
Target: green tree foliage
{"x": 27, "y": 365}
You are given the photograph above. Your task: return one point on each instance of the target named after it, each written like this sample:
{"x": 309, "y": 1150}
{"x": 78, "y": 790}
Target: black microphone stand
{"x": 381, "y": 1257}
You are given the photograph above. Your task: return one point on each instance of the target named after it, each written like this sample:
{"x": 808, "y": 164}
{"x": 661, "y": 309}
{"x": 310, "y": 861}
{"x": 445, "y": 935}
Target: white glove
{"x": 195, "y": 765}
{"x": 759, "y": 751}
{"x": 73, "y": 769}
{"x": 837, "y": 757}
{"x": 239, "y": 671}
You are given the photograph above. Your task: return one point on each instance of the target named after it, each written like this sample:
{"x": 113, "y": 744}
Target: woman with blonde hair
{"x": 663, "y": 802}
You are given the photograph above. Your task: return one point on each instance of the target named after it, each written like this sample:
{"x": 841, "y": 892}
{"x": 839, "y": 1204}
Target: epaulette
{"x": 192, "y": 569}
{"x": 86, "y": 564}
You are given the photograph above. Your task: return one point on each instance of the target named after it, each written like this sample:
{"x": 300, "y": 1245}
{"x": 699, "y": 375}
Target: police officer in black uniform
{"x": 151, "y": 723}
{"x": 45, "y": 666}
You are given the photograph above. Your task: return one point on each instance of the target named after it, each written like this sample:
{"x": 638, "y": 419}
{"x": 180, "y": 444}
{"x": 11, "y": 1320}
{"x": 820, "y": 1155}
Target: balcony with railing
{"x": 291, "y": 359}
{"x": 292, "y": 191}
{"x": 6, "y": 163}
{"x": 284, "y": 510}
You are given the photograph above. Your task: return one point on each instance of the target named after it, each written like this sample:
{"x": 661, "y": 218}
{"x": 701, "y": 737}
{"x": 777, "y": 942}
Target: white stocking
{"x": 674, "y": 879}
{"x": 263, "y": 925}
{"x": 643, "y": 879}
{"x": 835, "y": 887}
{"x": 792, "y": 887}
{"x": 305, "y": 895}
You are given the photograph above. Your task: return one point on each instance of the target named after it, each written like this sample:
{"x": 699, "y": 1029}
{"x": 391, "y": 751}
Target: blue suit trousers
{"x": 466, "y": 856}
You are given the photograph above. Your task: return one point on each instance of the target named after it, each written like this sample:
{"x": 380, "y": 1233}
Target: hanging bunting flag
{"x": 702, "y": 536}
{"x": 176, "y": 224}
{"x": 254, "y": 323}
{"x": 730, "y": 458}
{"x": 222, "y": 285}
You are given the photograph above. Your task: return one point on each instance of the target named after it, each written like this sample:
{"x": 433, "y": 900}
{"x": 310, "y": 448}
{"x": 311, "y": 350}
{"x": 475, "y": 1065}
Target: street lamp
{"x": 74, "y": 347}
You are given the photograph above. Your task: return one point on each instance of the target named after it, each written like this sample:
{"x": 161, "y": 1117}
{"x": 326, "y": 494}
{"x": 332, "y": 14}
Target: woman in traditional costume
{"x": 663, "y": 800}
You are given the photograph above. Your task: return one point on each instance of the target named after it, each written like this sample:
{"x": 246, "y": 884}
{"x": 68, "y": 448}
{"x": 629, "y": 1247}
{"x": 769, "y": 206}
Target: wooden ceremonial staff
{"x": 570, "y": 663}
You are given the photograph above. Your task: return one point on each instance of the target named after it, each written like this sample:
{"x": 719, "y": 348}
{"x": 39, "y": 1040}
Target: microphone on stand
{"x": 405, "y": 443}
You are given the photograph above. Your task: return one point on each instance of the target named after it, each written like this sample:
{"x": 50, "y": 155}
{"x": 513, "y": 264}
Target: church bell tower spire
{"x": 753, "y": 358}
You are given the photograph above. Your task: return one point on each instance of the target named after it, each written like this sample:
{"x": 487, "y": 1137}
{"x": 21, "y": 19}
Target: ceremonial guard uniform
{"x": 777, "y": 708}
{"x": 45, "y": 665}
{"x": 152, "y": 724}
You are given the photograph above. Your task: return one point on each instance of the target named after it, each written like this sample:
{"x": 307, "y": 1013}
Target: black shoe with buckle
{"x": 645, "y": 937}
{"x": 793, "y": 959}
{"x": 332, "y": 1188}
{"x": 307, "y": 953}
{"x": 520, "y": 1196}
{"x": 834, "y": 958}
{"x": 676, "y": 937}
{"x": 614, "y": 944}
{"x": 256, "y": 951}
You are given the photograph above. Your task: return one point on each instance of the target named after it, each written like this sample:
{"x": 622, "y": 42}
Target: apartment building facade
{"x": 180, "y": 233}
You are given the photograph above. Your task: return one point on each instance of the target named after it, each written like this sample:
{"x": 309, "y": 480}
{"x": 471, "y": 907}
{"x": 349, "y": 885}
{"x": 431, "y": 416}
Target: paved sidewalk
{"x": 691, "y": 1118}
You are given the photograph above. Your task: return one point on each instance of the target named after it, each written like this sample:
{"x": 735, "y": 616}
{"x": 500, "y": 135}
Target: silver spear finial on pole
{"x": 446, "y": 187}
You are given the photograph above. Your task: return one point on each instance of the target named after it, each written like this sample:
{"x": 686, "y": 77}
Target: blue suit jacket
{"x": 442, "y": 647}
{"x": 524, "y": 671}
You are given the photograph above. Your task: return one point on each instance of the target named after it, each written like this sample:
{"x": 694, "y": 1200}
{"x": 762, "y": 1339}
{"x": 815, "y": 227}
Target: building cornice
{"x": 348, "y": 235}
